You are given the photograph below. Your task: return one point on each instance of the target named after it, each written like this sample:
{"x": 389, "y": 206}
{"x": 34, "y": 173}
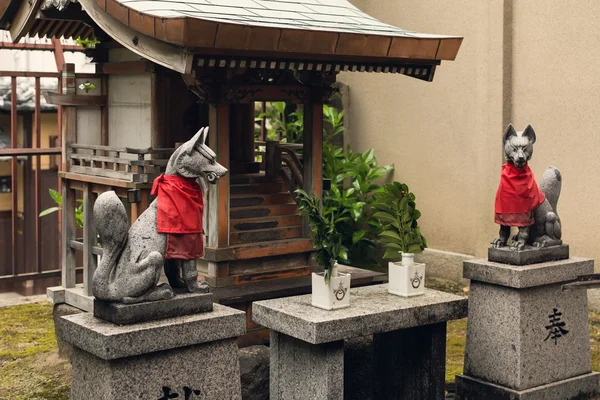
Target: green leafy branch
{"x": 57, "y": 197}
{"x": 326, "y": 239}
{"x": 396, "y": 212}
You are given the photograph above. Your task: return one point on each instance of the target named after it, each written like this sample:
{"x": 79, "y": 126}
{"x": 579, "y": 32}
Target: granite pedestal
{"x": 526, "y": 337}
{"x": 307, "y": 343}
{"x": 183, "y": 303}
{"x": 194, "y": 356}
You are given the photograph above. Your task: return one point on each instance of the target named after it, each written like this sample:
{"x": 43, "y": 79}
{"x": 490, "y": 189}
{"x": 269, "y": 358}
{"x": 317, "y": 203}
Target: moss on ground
{"x": 29, "y": 364}
{"x": 455, "y": 348}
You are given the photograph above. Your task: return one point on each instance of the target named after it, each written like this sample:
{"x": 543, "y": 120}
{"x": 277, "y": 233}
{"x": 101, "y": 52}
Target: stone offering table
{"x": 527, "y": 338}
{"x": 194, "y": 356}
{"x": 409, "y": 343}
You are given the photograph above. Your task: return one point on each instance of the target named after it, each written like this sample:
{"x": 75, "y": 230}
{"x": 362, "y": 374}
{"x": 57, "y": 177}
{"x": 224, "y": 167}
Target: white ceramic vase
{"x": 334, "y": 295}
{"x": 406, "y": 279}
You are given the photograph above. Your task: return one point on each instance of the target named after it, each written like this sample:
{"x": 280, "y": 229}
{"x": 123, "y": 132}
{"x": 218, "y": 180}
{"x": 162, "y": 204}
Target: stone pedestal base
{"x": 579, "y": 387}
{"x": 529, "y": 255}
{"x": 195, "y": 356}
{"x": 524, "y": 333}
{"x": 180, "y": 305}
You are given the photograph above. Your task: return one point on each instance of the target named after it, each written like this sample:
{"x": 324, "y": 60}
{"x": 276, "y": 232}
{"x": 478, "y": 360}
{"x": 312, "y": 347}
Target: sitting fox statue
{"x": 170, "y": 229}
{"x": 519, "y": 201}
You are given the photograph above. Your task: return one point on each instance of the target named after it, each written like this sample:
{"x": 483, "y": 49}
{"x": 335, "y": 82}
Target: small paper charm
{"x": 340, "y": 292}
{"x": 416, "y": 280}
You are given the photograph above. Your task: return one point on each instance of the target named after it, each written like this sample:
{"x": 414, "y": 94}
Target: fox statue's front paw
{"x": 517, "y": 245}
{"x": 498, "y": 242}
{"x": 198, "y": 287}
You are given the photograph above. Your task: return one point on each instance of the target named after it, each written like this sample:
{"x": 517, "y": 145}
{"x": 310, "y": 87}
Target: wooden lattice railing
{"x": 128, "y": 164}
{"x": 284, "y": 160}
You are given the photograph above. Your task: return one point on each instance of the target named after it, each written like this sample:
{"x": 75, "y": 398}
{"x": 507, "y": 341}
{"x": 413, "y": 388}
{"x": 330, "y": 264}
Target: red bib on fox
{"x": 517, "y": 196}
{"x": 179, "y": 214}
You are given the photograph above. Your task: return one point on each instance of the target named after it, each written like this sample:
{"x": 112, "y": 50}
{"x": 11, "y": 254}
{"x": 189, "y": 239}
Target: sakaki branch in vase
{"x": 401, "y": 237}
{"x": 330, "y": 288}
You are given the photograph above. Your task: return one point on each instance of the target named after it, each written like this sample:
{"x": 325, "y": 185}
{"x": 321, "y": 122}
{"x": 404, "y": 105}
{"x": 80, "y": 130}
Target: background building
{"x": 525, "y": 62}
{"x": 30, "y": 55}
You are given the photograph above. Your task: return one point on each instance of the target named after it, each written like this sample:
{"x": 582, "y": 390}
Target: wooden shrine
{"x": 170, "y": 68}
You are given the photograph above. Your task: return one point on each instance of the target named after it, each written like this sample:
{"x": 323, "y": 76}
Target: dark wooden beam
{"x": 13, "y": 170}
{"x": 75, "y": 99}
{"x": 37, "y": 132}
{"x": 128, "y": 67}
{"x": 37, "y": 46}
{"x": 218, "y": 214}
{"x": 59, "y": 56}
{"x": 251, "y": 93}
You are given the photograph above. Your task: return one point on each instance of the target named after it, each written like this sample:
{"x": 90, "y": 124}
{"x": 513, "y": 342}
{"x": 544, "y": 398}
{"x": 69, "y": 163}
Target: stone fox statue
{"x": 133, "y": 258}
{"x": 519, "y": 201}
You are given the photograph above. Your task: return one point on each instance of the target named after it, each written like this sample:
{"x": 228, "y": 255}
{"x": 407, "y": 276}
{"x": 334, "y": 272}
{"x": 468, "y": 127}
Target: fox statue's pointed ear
{"x": 510, "y": 131}
{"x": 200, "y": 137}
{"x": 197, "y": 140}
{"x": 530, "y": 134}
{"x": 203, "y": 136}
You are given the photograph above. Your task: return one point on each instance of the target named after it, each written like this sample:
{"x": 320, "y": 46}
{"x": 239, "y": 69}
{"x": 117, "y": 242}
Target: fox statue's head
{"x": 194, "y": 159}
{"x": 518, "y": 146}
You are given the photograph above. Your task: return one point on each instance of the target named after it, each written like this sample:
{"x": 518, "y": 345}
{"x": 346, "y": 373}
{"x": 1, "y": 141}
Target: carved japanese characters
{"x": 519, "y": 200}
{"x": 170, "y": 229}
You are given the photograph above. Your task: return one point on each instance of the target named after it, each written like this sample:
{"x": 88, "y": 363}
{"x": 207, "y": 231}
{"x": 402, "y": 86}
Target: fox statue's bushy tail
{"x": 547, "y": 227}
{"x": 112, "y": 228}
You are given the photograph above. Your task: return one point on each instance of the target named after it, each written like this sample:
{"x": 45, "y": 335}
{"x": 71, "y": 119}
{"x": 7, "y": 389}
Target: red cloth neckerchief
{"x": 179, "y": 214}
{"x": 180, "y": 204}
{"x": 518, "y": 193}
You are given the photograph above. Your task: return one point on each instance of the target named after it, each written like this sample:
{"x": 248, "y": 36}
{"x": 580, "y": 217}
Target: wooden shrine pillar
{"x": 241, "y": 125}
{"x": 313, "y": 151}
{"x": 69, "y": 136}
{"x": 218, "y": 202}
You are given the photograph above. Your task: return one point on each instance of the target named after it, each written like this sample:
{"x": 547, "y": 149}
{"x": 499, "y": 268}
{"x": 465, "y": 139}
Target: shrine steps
{"x": 255, "y": 199}
{"x": 264, "y": 235}
{"x": 265, "y": 222}
{"x": 262, "y": 210}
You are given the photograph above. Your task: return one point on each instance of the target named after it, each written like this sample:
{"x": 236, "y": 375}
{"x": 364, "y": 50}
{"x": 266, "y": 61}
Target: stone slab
{"x": 372, "y": 310}
{"x": 529, "y": 255}
{"x": 509, "y": 339}
{"x": 180, "y": 305}
{"x": 527, "y": 276}
{"x": 579, "y": 387}
{"x": 204, "y": 371}
{"x": 109, "y": 341}
{"x": 55, "y": 294}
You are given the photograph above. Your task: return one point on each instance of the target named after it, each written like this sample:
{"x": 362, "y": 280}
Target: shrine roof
{"x": 320, "y": 15}
{"x": 168, "y": 31}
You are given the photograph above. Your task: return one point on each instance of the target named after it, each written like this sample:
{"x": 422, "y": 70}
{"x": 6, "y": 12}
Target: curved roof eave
{"x": 171, "y": 32}
{"x": 208, "y": 26}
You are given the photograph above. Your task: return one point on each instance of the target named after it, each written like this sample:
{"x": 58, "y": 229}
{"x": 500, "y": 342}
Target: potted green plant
{"x": 330, "y": 288}
{"x": 401, "y": 237}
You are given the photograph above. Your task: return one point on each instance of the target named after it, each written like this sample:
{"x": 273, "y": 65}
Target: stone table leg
{"x": 411, "y": 363}
{"x": 300, "y": 370}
